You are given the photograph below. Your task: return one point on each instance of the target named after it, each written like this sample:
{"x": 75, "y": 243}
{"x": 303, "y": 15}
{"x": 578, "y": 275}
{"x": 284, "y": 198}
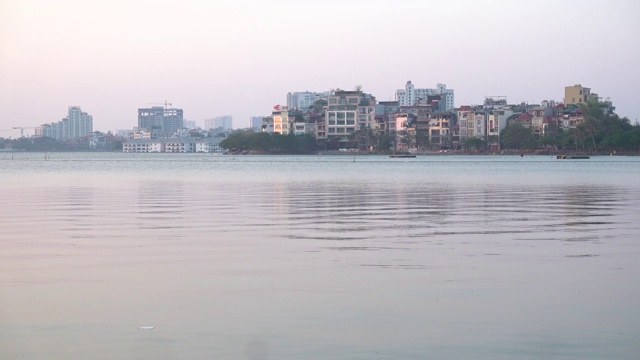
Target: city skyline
{"x": 243, "y": 58}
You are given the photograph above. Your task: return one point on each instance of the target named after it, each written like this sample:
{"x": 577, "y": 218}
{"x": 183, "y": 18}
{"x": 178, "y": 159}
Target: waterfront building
{"x": 440, "y": 130}
{"x": 77, "y": 124}
{"x": 466, "y": 128}
{"x": 496, "y": 122}
{"x": 280, "y": 116}
{"x": 224, "y": 122}
{"x": 411, "y": 96}
{"x": 169, "y": 120}
{"x": 385, "y": 115}
{"x": 348, "y": 111}
{"x": 173, "y": 145}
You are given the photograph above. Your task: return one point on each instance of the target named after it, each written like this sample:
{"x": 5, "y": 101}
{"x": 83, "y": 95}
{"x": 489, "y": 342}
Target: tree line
{"x": 249, "y": 140}
{"x": 600, "y": 132}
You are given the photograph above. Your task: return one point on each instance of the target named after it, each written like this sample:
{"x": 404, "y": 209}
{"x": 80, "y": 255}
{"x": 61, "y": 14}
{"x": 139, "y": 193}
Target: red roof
{"x": 525, "y": 116}
{"x": 464, "y": 108}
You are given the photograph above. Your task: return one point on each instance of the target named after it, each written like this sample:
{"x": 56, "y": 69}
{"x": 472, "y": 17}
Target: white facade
{"x": 172, "y": 145}
{"x": 77, "y": 124}
{"x": 349, "y": 111}
{"x": 304, "y": 100}
{"x": 497, "y": 121}
{"x": 410, "y": 96}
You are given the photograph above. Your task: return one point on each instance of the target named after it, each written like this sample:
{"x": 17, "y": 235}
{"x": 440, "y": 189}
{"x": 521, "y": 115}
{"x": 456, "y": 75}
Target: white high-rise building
{"x": 77, "y": 124}
{"x": 225, "y": 122}
{"x": 410, "y": 96}
{"x": 304, "y": 100}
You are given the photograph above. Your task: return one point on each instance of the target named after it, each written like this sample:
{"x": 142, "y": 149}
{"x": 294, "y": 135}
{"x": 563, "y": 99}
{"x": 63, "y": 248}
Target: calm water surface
{"x": 318, "y": 257}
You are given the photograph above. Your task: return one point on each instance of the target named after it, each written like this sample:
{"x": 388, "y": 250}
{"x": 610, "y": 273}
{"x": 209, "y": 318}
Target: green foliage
{"x": 39, "y": 144}
{"x": 474, "y": 144}
{"x": 270, "y": 143}
{"x": 601, "y": 131}
{"x": 517, "y": 137}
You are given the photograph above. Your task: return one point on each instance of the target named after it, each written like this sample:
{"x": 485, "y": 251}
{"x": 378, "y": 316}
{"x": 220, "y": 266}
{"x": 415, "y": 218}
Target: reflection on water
{"x": 289, "y": 258}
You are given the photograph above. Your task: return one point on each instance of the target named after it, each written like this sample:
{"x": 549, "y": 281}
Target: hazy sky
{"x": 241, "y": 57}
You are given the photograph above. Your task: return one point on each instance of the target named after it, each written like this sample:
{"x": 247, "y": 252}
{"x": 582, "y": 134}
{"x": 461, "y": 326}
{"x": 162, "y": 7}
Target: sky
{"x": 242, "y": 57}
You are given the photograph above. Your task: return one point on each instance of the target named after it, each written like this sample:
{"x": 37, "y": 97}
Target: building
{"x": 256, "y": 122}
{"x": 497, "y": 120}
{"x": 411, "y": 96}
{"x": 76, "y": 125}
{"x": 224, "y": 122}
{"x": 440, "y": 130}
{"x": 348, "y": 111}
{"x": 577, "y": 94}
{"x": 173, "y": 145}
{"x": 305, "y": 100}
{"x": 189, "y": 124}
{"x": 169, "y": 120}
{"x": 466, "y": 126}
{"x": 280, "y": 116}
{"x": 267, "y": 124}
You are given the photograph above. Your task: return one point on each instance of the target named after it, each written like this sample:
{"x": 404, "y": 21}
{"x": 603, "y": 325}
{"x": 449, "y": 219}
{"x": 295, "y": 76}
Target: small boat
{"x": 402, "y": 156}
{"x": 572, "y": 157}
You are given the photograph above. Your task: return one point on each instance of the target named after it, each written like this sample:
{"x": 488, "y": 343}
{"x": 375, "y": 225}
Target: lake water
{"x": 318, "y": 257}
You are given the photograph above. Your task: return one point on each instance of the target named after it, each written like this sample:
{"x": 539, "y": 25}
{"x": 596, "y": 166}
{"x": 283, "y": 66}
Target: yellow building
{"x": 280, "y": 117}
{"x": 577, "y": 94}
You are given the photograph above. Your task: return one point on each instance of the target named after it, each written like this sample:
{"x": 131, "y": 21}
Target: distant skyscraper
{"x": 410, "y": 96}
{"x": 77, "y": 124}
{"x": 169, "y": 120}
{"x": 189, "y": 124}
{"x": 225, "y": 122}
{"x": 304, "y": 100}
{"x": 256, "y": 122}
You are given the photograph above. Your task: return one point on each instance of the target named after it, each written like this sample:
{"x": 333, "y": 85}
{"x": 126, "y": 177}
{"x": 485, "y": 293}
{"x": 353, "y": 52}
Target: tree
{"x": 516, "y": 136}
{"x": 474, "y": 144}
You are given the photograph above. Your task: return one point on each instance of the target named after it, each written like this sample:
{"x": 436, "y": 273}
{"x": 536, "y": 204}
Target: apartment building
{"x": 77, "y": 124}
{"x": 347, "y": 112}
{"x": 411, "y": 96}
{"x": 169, "y": 120}
{"x": 440, "y": 129}
{"x": 305, "y": 99}
{"x": 280, "y": 116}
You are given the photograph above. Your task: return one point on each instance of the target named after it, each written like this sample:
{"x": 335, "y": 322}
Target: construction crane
{"x": 22, "y": 129}
{"x": 166, "y": 104}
